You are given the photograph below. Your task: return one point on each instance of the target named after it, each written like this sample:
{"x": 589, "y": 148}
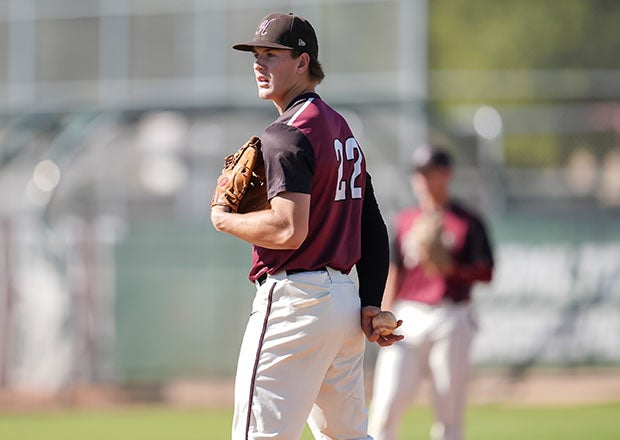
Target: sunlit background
{"x": 115, "y": 117}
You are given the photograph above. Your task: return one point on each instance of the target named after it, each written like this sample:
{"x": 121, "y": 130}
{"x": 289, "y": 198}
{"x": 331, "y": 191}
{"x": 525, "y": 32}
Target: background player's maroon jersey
{"x": 310, "y": 149}
{"x": 465, "y": 236}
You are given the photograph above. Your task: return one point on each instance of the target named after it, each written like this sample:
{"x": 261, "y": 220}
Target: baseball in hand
{"x": 385, "y": 322}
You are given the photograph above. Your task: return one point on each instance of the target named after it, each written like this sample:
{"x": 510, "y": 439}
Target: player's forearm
{"x": 283, "y": 226}
{"x": 372, "y": 270}
{"x": 261, "y": 228}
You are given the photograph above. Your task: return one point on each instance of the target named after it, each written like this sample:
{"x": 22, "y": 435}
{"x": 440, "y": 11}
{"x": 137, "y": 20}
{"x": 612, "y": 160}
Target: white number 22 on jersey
{"x": 348, "y": 153}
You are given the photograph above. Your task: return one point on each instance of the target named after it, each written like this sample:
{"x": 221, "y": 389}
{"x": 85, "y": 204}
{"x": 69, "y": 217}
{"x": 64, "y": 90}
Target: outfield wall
{"x": 182, "y": 304}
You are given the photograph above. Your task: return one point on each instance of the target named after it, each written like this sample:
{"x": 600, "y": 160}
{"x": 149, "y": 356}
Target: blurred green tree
{"x": 524, "y": 34}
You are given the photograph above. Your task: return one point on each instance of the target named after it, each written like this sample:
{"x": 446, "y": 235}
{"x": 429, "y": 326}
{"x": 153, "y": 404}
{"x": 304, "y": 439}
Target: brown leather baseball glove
{"x": 424, "y": 244}
{"x": 242, "y": 186}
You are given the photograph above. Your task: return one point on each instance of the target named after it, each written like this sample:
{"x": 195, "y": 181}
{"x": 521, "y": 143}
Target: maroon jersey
{"x": 310, "y": 149}
{"x": 465, "y": 236}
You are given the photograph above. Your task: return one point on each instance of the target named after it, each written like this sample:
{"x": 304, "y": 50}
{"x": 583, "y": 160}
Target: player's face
{"x": 432, "y": 183}
{"x": 276, "y": 73}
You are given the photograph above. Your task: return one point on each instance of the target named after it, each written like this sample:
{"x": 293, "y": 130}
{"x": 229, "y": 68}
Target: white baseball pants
{"x": 301, "y": 360}
{"x": 437, "y": 342}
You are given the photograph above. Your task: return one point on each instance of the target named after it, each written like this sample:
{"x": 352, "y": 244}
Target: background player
{"x": 430, "y": 290}
{"x": 302, "y": 352}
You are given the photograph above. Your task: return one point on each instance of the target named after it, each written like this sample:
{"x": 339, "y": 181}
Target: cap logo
{"x": 301, "y": 42}
{"x": 262, "y": 28}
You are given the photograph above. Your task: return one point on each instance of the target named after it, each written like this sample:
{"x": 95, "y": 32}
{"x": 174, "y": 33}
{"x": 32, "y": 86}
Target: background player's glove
{"x": 242, "y": 186}
{"x": 424, "y": 244}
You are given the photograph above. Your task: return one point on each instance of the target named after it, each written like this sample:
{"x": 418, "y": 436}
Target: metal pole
{"x": 22, "y": 53}
{"x": 113, "y": 51}
{"x": 413, "y": 75}
{"x": 7, "y": 310}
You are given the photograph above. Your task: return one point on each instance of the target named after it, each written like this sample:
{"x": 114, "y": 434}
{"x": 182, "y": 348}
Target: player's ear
{"x": 303, "y": 62}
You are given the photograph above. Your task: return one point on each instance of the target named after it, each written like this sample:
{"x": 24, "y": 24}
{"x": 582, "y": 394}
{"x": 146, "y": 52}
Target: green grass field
{"x": 484, "y": 422}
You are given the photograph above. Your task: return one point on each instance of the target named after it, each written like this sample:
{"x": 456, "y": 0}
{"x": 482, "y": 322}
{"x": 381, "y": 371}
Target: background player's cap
{"x": 430, "y": 156}
{"x": 284, "y": 31}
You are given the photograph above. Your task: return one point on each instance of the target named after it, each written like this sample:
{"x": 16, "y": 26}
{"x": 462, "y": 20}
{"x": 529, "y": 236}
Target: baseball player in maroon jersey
{"x": 302, "y": 352}
{"x": 433, "y": 302}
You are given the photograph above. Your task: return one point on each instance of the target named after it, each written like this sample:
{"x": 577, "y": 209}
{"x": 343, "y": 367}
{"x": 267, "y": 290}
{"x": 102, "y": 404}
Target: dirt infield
{"x": 575, "y": 386}
{"x": 540, "y": 387}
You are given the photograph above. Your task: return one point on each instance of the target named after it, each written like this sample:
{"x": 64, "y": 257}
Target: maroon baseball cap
{"x": 284, "y": 31}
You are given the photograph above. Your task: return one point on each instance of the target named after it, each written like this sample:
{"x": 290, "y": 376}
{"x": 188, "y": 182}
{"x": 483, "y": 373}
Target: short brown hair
{"x": 314, "y": 69}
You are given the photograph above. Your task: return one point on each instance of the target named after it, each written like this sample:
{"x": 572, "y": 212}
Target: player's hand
{"x": 373, "y": 335}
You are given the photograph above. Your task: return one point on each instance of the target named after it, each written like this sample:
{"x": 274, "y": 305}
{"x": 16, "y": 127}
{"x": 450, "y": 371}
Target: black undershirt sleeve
{"x": 372, "y": 268}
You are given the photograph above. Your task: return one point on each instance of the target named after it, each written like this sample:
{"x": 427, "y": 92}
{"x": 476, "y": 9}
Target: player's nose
{"x": 258, "y": 66}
